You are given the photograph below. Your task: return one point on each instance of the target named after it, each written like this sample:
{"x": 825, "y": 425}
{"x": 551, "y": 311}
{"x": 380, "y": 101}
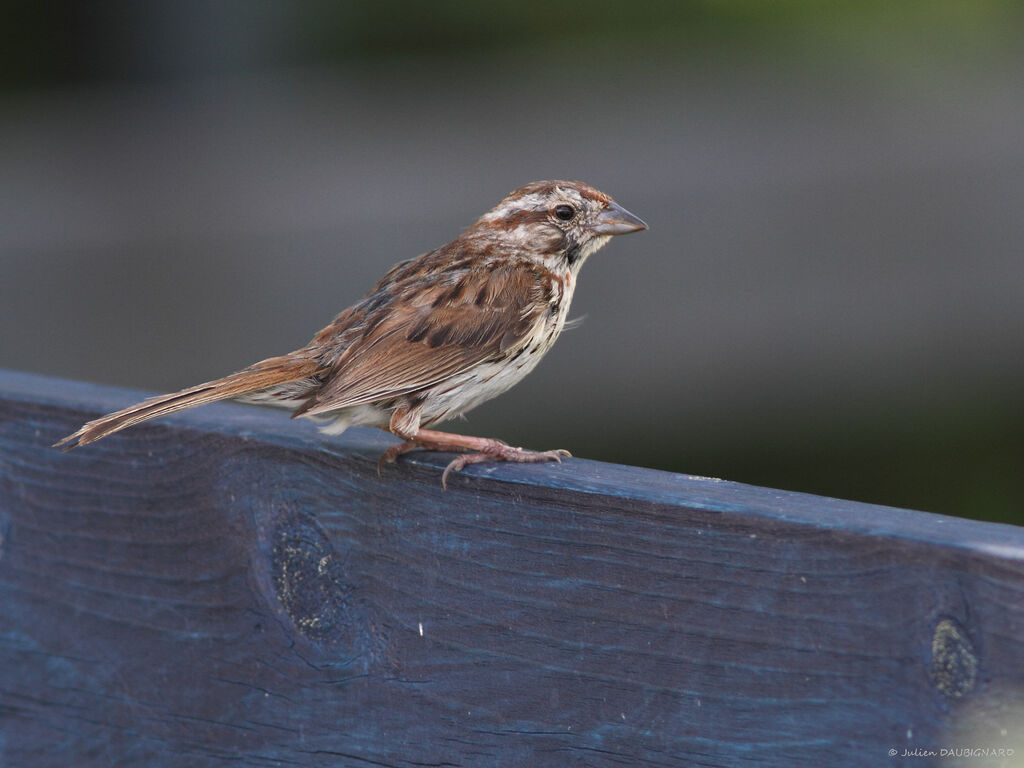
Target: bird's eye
{"x": 564, "y": 212}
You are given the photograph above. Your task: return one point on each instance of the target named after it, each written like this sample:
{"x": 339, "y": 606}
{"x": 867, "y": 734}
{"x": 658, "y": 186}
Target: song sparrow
{"x": 438, "y": 335}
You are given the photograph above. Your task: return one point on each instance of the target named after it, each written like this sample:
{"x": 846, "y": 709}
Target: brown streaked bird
{"x": 437, "y": 336}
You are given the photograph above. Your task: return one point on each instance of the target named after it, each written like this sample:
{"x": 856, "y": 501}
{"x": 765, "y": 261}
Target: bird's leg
{"x": 480, "y": 449}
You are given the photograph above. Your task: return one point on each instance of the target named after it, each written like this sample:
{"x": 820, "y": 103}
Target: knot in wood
{"x": 954, "y": 669}
{"x": 308, "y": 579}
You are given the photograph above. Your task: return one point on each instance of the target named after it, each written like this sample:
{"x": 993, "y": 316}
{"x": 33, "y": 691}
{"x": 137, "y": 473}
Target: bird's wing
{"x": 433, "y": 328}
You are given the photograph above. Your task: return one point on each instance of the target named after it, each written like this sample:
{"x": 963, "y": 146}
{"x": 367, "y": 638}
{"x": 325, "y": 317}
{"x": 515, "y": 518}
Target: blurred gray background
{"x": 829, "y": 298}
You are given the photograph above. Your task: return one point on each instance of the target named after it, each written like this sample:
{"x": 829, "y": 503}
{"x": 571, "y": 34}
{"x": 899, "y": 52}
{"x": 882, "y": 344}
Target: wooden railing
{"x": 229, "y": 587}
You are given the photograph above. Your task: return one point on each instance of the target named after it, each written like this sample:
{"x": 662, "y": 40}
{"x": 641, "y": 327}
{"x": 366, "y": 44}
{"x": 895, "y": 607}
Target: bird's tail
{"x": 270, "y": 374}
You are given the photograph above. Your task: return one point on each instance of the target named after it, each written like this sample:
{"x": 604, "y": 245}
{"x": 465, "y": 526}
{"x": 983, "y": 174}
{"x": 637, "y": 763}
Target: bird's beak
{"x": 616, "y": 220}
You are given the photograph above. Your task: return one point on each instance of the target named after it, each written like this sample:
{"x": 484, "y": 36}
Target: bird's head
{"x": 555, "y": 221}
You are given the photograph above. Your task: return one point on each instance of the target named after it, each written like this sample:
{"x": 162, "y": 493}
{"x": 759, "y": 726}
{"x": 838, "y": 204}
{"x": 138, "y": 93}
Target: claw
{"x": 390, "y": 456}
{"x": 460, "y": 462}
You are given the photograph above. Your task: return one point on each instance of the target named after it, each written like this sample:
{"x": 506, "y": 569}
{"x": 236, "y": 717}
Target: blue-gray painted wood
{"x": 229, "y": 587}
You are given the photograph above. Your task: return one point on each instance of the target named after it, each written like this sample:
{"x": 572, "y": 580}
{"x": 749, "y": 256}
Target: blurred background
{"x": 830, "y": 297}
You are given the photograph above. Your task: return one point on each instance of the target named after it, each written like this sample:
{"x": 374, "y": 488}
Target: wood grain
{"x": 229, "y": 587}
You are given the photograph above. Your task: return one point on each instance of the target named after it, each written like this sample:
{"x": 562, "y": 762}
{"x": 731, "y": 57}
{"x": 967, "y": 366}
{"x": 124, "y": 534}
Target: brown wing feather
{"x": 427, "y": 333}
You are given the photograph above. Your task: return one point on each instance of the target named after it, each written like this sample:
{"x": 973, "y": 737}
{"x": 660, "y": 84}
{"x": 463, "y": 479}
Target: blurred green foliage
{"x": 865, "y": 27}
{"x": 46, "y": 44}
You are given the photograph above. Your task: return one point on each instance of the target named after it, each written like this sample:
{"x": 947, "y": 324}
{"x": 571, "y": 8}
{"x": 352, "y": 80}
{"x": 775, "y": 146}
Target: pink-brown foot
{"x": 481, "y": 449}
{"x": 501, "y": 452}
